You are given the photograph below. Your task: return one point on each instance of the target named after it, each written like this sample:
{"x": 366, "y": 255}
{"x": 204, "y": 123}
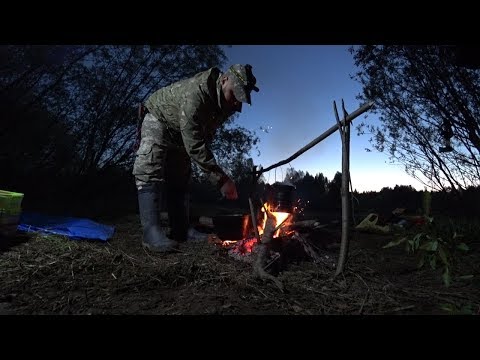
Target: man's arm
{"x": 193, "y": 114}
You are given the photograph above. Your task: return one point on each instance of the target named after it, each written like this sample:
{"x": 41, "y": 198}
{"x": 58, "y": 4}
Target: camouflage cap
{"x": 243, "y": 82}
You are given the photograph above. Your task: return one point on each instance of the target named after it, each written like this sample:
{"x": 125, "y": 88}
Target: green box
{"x": 10, "y": 211}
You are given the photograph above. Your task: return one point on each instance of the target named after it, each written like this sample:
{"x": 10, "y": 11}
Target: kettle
{"x": 280, "y": 196}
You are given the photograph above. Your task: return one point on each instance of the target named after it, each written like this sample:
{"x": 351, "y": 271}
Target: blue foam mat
{"x": 74, "y": 228}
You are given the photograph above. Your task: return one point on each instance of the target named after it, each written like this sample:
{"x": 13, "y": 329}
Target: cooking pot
{"x": 232, "y": 226}
{"x": 280, "y": 196}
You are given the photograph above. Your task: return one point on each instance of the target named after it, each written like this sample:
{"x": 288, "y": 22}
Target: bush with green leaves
{"x": 454, "y": 309}
{"x": 439, "y": 243}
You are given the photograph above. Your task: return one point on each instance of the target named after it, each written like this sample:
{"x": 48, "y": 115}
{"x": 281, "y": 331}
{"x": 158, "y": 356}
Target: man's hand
{"x": 229, "y": 190}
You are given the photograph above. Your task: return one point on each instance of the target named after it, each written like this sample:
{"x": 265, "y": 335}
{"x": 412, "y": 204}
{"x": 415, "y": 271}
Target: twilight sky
{"x": 298, "y": 84}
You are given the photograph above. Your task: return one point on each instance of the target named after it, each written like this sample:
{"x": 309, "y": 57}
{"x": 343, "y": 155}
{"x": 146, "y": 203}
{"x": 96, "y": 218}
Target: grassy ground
{"x": 44, "y": 274}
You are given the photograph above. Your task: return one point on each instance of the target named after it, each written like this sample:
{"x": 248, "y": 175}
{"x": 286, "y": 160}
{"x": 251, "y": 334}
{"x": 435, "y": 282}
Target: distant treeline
{"x": 321, "y": 195}
{"x": 111, "y": 193}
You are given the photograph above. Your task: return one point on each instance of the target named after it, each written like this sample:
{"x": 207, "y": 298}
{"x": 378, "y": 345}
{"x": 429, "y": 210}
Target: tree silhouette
{"x": 416, "y": 90}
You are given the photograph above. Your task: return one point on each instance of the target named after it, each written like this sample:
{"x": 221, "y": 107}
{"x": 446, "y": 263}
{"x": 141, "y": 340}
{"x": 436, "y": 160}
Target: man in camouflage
{"x": 181, "y": 121}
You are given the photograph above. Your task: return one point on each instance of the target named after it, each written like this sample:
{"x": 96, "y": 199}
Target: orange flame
{"x": 279, "y": 217}
{"x": 245, "y": 246}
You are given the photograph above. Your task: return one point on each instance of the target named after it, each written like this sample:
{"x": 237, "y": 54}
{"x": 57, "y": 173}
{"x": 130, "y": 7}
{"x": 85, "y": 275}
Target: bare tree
{"x": 418, "y": 92}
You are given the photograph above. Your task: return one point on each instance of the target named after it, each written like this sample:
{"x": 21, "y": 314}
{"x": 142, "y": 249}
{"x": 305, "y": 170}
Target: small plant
{"x": 437, "y": 245}
{"x": 454, "y": 309}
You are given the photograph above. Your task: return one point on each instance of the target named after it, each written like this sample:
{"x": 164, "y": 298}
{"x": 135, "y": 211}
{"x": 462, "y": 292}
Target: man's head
{"x": 237, "y": 84}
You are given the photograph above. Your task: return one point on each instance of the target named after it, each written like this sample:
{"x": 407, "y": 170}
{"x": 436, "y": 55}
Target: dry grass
{"x": 55, "y": 275}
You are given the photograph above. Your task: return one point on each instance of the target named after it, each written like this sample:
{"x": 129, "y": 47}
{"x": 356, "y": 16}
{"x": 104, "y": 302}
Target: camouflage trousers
{"x": 161, "y": 157}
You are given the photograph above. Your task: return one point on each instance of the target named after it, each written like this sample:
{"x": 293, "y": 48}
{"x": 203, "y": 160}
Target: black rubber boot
{"x": 154, "y": 237}
{"x": 192, "y": 234}
{"x": 179, "y": 218}
{"x": 177, "y": 215}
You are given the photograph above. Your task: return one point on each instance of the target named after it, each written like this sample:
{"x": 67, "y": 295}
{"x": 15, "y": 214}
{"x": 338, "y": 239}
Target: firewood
{"x": 305, "y": 224}
{"x": 309, "y": 250}
{"x": 319, "y": 256}
{"x": 253, "y": 218}
{"x": 263, "y": 250}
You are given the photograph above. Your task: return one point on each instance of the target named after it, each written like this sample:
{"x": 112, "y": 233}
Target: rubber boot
{"x": 179, "y": 216}
{"x": 154, "y": 237}
{"x": 193, "y": 235}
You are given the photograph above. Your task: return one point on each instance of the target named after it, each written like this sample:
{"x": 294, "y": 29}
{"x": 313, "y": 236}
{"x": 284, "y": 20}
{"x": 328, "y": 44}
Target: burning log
{"x": 302, "y": 224}
{"x": 254, "y": 219}
{"x": 263, "y": 249}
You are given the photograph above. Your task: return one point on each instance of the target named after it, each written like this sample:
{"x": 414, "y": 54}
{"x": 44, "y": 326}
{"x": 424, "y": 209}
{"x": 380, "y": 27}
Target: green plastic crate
{"x": 10, "y": 210}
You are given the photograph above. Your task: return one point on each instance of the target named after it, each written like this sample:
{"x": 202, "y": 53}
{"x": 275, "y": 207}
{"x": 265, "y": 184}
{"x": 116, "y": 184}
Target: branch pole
{"x": 254, "y": 219}
{"x": 346, "y": 203}
{"x": 326, "y": 134}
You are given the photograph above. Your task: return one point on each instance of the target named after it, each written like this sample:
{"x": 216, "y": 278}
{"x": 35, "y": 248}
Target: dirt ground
{"x": 45, "y": 274}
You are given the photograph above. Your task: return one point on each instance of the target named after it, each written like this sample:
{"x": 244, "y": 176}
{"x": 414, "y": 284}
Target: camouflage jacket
{"x": 193, "y": 108}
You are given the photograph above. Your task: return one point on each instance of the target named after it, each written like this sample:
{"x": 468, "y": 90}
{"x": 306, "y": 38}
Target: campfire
{"x": 277, "y": 236}
{"x": 277, "y": 239}
{"x": 245, "y": 246}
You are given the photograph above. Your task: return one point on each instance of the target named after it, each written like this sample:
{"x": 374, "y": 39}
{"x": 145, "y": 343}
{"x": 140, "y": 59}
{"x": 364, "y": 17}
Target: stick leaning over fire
{"x": 254, "y": 221}
{"x": 348, "y": 118}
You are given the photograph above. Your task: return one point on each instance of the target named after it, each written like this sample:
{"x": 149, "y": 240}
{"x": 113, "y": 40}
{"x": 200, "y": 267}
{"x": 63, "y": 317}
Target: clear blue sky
{"x": 298, "y": 84}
